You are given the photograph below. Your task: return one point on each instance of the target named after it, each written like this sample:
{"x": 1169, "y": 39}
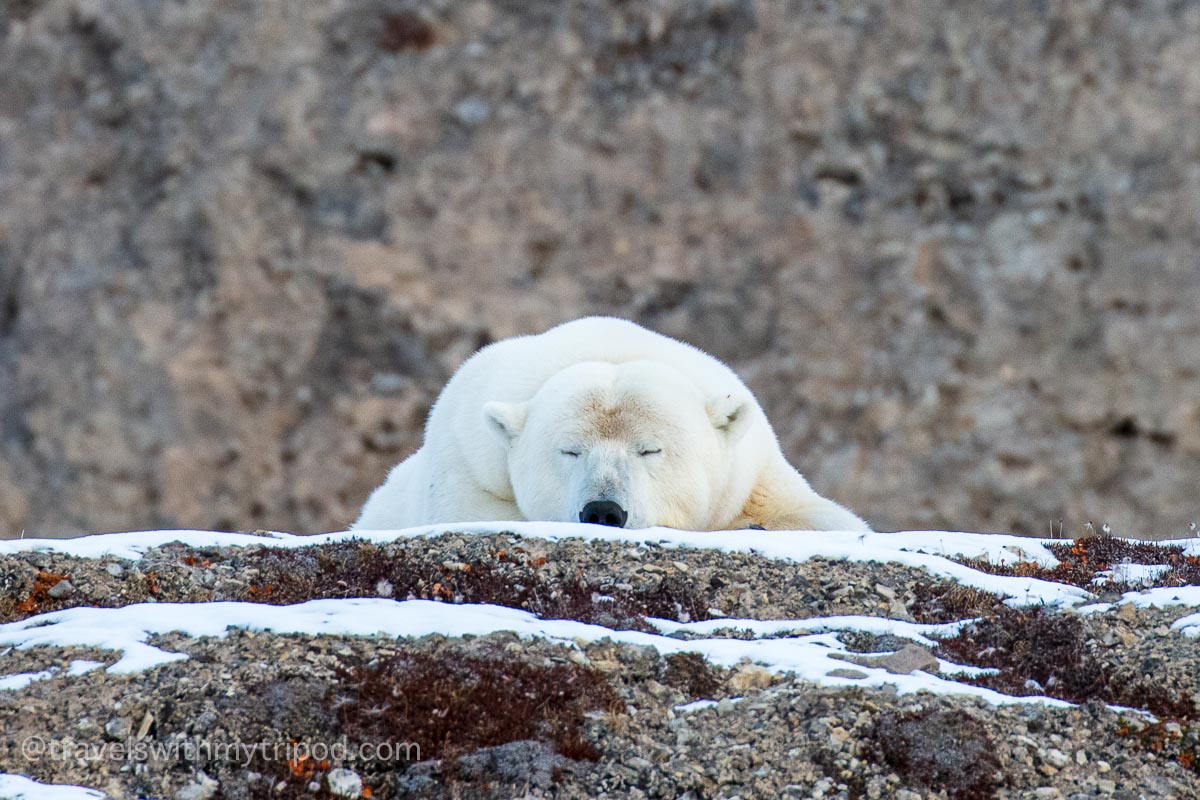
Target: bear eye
{"x": 650, "y": 451}
{"x": 571, "y": 453}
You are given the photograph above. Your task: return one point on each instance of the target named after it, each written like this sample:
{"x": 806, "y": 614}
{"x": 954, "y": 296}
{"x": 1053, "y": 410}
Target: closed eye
{"x": 653, "y": 452}
{"x": 571, "y": 453}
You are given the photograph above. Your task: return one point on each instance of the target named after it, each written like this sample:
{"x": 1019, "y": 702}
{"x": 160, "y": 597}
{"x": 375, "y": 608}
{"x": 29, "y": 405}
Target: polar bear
{"x": 600, "y": 420}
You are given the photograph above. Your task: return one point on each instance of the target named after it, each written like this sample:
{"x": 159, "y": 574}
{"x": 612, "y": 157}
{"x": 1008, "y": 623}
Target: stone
{"x": 202, "y": 788}
{"x": 1056, "y": 758}
{"x": 118, "y": 729}
{"x": 344, "y": 782}
{"x": 750, "y": 676}
{"x": 906, "y": 660}
{"x": 61, "y": 590}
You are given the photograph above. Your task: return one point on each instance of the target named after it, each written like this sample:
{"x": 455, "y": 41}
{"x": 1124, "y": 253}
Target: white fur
{"x": 495, "y": 440}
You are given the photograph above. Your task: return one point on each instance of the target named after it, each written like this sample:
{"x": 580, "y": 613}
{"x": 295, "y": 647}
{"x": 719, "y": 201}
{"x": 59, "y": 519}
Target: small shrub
{"x": 452, "y": 706}
{"x": 39, "y": 599}
{"x": 939, "y": 750}
{"x": 947, "y": 601}
{"x": 1081, "y": 561}
{"x": 692, "y": 674}
{"x": 1182, "y": 744}
{"x": 1039, "y": 652}
{"x": 355, "y": 568}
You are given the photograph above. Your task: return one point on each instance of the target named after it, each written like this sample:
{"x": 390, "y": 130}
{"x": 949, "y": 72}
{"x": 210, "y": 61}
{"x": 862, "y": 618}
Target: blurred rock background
{"x": 953, "y": 247}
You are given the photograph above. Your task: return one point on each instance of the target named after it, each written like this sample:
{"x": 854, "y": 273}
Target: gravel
{"x": 766, "y": 735}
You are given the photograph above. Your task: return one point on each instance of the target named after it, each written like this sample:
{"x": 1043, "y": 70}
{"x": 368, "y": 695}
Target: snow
{"x": 1131, "y": 573}
{"x": 697, "y": 705}
{"x": 18, "y": 787}
{"x": 134, "y": 544}
{"x": 927, "y": 550}
{"x": 1161, "y": 597}
{"x": 950, "y": 668}
{"x": 23, "y": 679}
{"x": 700, "y": 705}
{"x": 1188, "y": 626}
{"x": 879, "y": 626}
{"x": 80, "y": 665}
{"x": 127, "y": 630}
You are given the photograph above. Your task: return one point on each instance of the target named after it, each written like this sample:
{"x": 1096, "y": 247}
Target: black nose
{"x": 604, "y": 512}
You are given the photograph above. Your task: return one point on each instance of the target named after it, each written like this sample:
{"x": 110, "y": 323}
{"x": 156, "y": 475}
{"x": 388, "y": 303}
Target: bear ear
{"x": 506, "y": 419}
{"x": 730, "y": 414}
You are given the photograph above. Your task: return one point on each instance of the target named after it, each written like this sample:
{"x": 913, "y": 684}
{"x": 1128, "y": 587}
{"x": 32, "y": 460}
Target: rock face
{"x": 243, "y": 244}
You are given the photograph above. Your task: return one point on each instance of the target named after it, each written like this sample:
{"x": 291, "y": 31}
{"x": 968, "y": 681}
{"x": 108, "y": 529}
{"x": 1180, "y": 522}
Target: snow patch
{"x": 1188, "y": 626}
{"x": 18, "y": 787}
{"x": 950, "y": 668}
{"x": 700, "y": 705}
{"x": 22, "y": 679}
{"x": 1133, "y": 574}
{"x": 1163, "y": 597}
{"x": 127, "y": 630}
{"x": 81, "y": 665}
{"x": 760, "y": 628}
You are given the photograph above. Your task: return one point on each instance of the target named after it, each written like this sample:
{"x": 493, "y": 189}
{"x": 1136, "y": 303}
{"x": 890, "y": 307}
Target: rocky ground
{"x": 499, "y": 716}
{"x": 950, "y": 246}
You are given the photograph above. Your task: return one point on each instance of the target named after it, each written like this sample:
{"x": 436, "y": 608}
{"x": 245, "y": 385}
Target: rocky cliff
{"x": 952, "y": 247}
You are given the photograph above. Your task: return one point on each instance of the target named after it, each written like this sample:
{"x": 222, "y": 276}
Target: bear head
{"x": 633, "y": 445}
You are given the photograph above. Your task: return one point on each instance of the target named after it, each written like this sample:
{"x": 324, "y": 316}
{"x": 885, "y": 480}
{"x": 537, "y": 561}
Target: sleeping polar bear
{"x": 600, "y": 420}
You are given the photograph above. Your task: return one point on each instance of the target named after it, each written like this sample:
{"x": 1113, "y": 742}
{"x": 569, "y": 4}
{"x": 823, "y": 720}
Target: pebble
{"x": 472, "y": 111}
{"x": 853, "y": 674}
{"x": 750, "y": 676}
{"x": 344, "y": 782}
{"x": 907, "y": 659}
{"x": 118, "y": 728}
{"x": 202, "y": 788}
{"x": 61, "y": 589}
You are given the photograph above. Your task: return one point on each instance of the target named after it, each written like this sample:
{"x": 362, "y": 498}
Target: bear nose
{"x": 604, "y": 512}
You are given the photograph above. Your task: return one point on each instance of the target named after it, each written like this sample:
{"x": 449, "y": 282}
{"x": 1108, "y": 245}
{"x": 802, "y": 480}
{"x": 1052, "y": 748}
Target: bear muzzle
{"x": 604, "y": 512}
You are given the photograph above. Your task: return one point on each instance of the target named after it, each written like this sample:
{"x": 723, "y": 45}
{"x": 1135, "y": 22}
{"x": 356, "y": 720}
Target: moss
{"x": 38, "y": 599}
{"x": 1167, "y": 739}
{"x": 438, "y": 703}
{"x": 948, "y": 601}
{"x": 692, "y": 674}
{"x": 938, "y": 750}
{"x": 405, "y": 30}
{"x": 444, "y": 712}
{"x": 355, "y": 568}
{"x": 1083, "y": 560}
{"x": 515, "y": 579}
{"x": 1036, "y": 651}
